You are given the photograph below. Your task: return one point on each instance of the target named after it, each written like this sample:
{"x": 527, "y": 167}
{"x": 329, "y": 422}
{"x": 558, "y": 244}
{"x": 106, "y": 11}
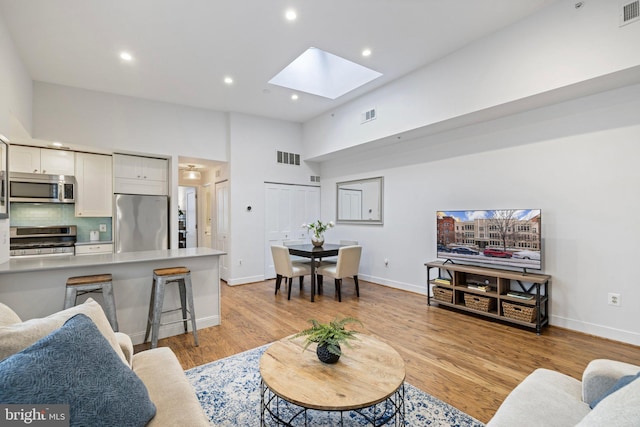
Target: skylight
{"x": 321, "y": 73}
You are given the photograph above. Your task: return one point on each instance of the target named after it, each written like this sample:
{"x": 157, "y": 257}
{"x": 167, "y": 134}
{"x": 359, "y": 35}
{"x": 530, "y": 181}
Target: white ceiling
{"x": 184, "y": 48}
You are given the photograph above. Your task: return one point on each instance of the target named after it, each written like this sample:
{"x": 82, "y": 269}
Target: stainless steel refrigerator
{"x": 141, "y": 223}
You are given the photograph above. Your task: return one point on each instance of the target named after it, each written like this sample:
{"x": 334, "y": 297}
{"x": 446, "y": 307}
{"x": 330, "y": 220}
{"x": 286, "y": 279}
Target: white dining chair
{"x": 287, "y": 269}
{"x": 347, "y": 266}
{"x": 333, "y": 260}
{"x": 294, "y": 258}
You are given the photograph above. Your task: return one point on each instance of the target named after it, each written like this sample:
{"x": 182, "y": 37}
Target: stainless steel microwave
{"x": 41, "y": 188}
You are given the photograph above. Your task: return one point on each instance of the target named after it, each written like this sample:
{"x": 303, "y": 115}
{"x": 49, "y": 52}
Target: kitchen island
{"x": 35, "y": 287}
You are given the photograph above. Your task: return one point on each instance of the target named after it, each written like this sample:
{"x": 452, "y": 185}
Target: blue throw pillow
{"x": 617, "y": 386}
{"x": 76, "y": 365}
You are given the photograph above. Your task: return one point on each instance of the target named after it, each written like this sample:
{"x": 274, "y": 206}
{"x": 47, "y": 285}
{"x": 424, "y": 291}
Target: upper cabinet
{"x": 140, "y": 175}
{"x": 94, "y": 185}
{"x": 41, "y": 160}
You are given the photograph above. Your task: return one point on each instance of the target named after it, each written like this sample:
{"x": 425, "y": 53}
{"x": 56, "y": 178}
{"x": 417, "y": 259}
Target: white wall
{"x": 15, "y": 104}
{"x": 254, "y": 142}
{"x": 125, "y": 124}
{"x": 577, "y": 161}
{"x": 553, "y": 54}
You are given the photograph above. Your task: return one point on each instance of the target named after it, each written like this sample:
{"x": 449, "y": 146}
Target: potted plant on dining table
{"x": 318, "y": 228}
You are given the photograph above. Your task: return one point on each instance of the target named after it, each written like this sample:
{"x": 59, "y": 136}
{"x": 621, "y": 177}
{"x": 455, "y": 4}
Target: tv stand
{"x": 509, "y": 296}
{"x": 448, "y": 260}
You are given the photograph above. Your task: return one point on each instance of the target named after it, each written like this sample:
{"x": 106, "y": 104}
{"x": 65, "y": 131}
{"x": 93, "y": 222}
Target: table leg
{"x": 313, "y": 278}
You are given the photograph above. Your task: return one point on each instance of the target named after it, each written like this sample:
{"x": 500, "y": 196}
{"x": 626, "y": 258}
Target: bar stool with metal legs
{"x": 98, "y": 283}
{"x": 161, "y": 277}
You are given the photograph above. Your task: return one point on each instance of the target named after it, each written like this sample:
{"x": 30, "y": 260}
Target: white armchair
{"x": 347, "y": 266}
{"x": 286, "y": 268}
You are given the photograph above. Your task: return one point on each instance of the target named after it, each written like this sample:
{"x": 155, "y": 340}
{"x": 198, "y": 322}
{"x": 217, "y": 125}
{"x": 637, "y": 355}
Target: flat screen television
{"x": 500, "y": 238}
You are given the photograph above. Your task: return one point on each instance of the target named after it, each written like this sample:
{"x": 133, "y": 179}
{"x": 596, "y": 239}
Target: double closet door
{"x": 287, "y": 208}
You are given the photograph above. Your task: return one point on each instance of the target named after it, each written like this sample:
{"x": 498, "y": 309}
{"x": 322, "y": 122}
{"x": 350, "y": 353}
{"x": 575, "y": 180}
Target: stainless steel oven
{"x": 42, "y": 241}
{"x": 40, "y": 188}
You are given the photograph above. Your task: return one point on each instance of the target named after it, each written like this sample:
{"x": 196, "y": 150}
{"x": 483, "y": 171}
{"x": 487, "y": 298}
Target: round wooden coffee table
{"x": 368, "y": 380}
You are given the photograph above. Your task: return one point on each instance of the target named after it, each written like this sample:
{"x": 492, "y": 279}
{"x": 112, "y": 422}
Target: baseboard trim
{"x": 245, "y": 280}
{"x": 418, "y": 289}
{"x": 615, "y": 334}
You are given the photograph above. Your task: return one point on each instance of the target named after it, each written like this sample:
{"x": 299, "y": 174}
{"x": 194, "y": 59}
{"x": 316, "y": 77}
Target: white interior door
{"x": 191, "y": 210}
{"x": 222, "y": 226}
{"x": 287, "y": 208}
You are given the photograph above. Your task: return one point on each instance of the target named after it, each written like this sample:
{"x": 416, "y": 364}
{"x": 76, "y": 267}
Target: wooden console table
{"x": 510, "y": 296}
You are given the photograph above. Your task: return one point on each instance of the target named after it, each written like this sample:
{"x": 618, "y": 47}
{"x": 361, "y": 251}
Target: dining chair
{"x": 286, "y": 268}
{"x": 333, "y": 260}
{"x": 347, "y": 266}
{"x": 294, "y": 258}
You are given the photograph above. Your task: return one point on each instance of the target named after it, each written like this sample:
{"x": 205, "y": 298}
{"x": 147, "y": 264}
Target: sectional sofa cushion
{"x": 18, "y": 336}
{"x": 75, "y": 365}
{"x": 8, "y": 316}
{"x": 627, "y": 379}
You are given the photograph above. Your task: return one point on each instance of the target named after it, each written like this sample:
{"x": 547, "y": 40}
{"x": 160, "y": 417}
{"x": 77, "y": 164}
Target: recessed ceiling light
{"x": 366, "y": 52}
{"x": 294, "y": 97}
{"x": 126, "y": 56}
{"x": 228, "y": 80}
{"x": 291, "y": 15}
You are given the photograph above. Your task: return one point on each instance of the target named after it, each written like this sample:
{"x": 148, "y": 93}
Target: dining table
{"x": 315, "y": 253}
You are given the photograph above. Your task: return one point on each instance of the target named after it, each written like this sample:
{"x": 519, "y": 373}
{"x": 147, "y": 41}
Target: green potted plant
{"x": 329, "y": 336}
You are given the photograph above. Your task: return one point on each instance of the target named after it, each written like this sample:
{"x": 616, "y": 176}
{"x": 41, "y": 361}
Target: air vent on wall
{"x": 630, "y": 12}
{"x": 368, "y": 115}
{"x": 288, "y": 158}
{"x": 315, "y": 178}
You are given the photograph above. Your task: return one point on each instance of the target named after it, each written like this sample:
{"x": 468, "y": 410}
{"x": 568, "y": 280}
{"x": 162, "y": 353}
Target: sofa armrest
{"x": 601, "y": 374}
{"x": 126, "y": 345}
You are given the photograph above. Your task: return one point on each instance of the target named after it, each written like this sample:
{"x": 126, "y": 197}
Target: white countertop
{"x": 17, "y": 265}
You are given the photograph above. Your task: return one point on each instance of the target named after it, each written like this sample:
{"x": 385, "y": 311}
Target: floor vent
{"x": 288, "y": 158}
{"x": 630, "y": 12}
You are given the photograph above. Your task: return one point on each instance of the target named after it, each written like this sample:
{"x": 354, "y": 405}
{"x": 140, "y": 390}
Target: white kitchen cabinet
{"x": 92, "y": 249}
{"x": 140, "y": 175}
{"x": 41, "y": 160}
{"x": 94, "y": 185}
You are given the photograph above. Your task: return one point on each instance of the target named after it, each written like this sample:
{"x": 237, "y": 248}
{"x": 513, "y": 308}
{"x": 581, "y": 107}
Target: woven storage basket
{"x": 443, "y": 294}
{"x": 479, "y": 303}
{"x": 523, "y": 313}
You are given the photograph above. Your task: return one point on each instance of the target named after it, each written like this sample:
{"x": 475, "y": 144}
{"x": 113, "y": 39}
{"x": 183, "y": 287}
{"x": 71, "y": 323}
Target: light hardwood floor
{"x": 469, "y": 362}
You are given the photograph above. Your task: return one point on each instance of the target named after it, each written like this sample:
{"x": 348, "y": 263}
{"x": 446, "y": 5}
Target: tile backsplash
{"x": 31, "y": 214}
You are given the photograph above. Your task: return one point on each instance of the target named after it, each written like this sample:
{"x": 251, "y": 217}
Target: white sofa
{"x": 158, "y": 369}
{"x": 548, "y": 398}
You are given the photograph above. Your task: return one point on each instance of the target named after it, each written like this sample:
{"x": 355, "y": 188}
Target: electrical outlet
{"x": 613, "y": 299}
{"x": 103, "y": 227}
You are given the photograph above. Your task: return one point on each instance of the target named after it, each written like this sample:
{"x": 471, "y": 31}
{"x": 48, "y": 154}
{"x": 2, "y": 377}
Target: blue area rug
{"x": 229, "y": 392}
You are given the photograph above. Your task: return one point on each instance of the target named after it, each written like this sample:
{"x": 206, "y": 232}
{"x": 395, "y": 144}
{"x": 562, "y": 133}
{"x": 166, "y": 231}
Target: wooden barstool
{"x": 98, "y": 283}
{"x": 161, "y": 277}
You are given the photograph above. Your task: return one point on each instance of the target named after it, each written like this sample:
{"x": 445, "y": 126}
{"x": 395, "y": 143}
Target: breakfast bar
{"x": 35, "y": 287}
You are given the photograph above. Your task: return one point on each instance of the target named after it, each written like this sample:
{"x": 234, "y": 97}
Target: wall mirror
{"x": 360, "y": 201}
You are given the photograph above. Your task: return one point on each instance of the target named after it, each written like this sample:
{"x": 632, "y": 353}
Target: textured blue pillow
{"x": 617, "y": 386}
{"x": 76, "y": 365}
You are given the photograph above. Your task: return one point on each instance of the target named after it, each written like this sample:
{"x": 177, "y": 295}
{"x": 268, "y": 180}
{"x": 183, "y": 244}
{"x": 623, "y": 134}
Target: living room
{"x": 550, "y": 122}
